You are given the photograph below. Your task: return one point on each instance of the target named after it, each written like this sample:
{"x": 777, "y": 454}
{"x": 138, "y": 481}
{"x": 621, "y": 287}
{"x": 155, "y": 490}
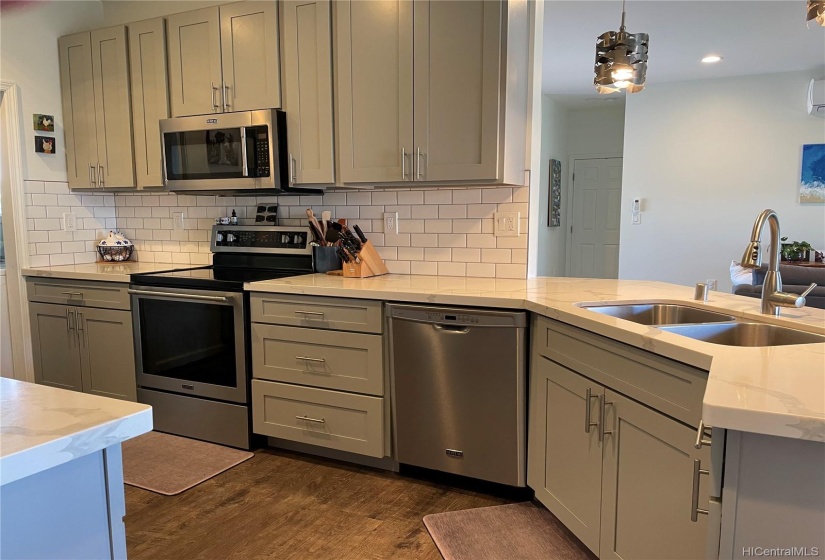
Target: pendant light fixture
{"x": 816, "y": 11}
{"x": 621, "y": 60}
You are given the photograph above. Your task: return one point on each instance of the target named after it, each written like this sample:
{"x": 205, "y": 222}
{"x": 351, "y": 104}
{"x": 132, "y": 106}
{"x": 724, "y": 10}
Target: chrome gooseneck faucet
{"x": 773, "y": 298}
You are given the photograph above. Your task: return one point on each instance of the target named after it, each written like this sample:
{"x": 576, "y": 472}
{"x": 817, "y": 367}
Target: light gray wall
{"x": 28, "y": 57}
{"x": 707, "y": 157}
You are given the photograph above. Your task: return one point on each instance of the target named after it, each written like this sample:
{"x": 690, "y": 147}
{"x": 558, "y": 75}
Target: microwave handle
{"x": 163, "y": 157}
{"x": 245, "y": 168}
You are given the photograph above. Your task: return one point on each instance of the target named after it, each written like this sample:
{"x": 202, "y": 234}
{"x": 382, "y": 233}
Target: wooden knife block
{"x": 371, "y": 264}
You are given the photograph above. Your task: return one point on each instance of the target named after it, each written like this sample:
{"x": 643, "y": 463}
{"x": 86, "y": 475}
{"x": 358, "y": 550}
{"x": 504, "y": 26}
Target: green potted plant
{"x": 796, "y": 250}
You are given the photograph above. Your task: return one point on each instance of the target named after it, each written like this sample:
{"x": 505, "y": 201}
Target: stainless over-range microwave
{"x": 228, "y": 153}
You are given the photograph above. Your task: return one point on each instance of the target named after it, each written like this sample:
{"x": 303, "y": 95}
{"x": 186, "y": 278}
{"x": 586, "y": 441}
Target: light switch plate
{"x": 636, "y": 218}
{"x": 507, "y": 224}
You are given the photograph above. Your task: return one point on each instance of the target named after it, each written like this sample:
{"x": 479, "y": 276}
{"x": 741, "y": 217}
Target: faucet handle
{"x": 808, "y": 291}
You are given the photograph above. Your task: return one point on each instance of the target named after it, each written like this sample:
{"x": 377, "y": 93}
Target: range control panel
{"x": 260, "y": 239}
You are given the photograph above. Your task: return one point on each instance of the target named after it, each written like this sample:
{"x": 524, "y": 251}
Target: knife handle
{"x": 360, "y": 233}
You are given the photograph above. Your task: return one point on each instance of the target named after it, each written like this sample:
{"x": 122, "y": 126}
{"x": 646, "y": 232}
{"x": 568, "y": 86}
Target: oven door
{"x": 190, "y": 342}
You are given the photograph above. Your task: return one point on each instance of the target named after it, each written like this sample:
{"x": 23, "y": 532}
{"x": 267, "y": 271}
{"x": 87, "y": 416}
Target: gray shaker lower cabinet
{"x": 617, "y": 472}
{"x": 84, "y": 349}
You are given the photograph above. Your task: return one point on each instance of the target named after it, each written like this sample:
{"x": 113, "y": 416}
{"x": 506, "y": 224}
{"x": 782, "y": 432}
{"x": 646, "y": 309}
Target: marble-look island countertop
{"x": 100, "y": 271}
{"x": 776, "y": 390}
{"x": 42, "y": 427}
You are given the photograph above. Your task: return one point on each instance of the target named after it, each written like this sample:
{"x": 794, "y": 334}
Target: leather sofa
{"x": 795, "y": 280}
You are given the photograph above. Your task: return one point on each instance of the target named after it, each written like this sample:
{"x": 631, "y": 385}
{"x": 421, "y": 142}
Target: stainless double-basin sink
{"x": 708, "y": 326}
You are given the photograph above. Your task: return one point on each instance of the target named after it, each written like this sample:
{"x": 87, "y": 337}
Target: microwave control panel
{"x": 261, "y": 152}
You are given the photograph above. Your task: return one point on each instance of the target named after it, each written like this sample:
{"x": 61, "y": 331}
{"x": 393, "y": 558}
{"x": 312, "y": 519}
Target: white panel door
{"x": 596, "y": 214}
{"x": 375, "y": 89}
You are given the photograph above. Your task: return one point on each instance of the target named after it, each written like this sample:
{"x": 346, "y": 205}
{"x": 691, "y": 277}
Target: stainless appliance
{"x": 459, "y": 387}
{"x": 191, "y": 331}
{"x": 232, "y": 153}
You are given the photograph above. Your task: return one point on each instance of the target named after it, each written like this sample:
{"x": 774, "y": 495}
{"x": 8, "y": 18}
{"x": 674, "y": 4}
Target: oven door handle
{"x": 223, "y": 299}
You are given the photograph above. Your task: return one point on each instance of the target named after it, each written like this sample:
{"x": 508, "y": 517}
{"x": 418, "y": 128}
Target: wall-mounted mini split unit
{"x": 816, "y": 98}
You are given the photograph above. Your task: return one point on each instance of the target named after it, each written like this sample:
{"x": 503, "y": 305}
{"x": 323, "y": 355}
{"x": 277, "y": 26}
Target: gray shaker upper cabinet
{"x": 150, "y": 97}
{"x": 467, "y": 102}
{"x": 224, "y": 58}
{"x": 375, "y": 87}
{"x": 94, "y": 77}
{"x": 194, "y": 45}
{"x": 250, "y": 56}
{"x": 306, "y": 39}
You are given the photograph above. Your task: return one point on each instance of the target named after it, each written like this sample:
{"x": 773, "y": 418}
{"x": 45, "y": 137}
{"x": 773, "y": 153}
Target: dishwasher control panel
{"x": 452, "y": 318}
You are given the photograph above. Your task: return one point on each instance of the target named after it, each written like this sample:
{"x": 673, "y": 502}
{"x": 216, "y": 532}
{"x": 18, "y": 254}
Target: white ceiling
{"x": 754, "y": 37}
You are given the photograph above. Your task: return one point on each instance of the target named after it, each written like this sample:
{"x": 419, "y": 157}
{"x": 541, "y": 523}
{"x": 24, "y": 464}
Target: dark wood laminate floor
{"x": 290, "y": 506}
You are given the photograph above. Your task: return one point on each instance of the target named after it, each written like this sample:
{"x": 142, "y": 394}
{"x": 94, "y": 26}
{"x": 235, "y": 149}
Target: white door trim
{"x": 19, "y": 239}
{"x": 568, "y": 205}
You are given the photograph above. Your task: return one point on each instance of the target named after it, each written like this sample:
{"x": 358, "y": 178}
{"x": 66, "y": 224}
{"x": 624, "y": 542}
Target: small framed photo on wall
{"x": 44, "y": 145}
{"x": 43, "y": 122}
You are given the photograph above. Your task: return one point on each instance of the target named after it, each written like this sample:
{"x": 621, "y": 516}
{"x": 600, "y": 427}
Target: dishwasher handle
{"x": 457, "y": 329}
{"x": 469, "y": 318}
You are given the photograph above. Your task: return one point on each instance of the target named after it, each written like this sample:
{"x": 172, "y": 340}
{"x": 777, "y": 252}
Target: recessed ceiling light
{"x": 712, "y": 58}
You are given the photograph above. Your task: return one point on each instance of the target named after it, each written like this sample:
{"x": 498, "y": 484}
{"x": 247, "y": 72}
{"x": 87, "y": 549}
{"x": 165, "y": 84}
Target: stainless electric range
{"x": 191, "y": 331}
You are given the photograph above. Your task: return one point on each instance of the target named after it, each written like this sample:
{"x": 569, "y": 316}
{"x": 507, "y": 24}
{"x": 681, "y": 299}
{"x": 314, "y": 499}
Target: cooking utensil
{"x": 316, "y": 232}
{"x": 332, "y": 236}
{"x": 314, "y": 222}
{"x": 326, "y": 216}
{"x": 342, "y": 221}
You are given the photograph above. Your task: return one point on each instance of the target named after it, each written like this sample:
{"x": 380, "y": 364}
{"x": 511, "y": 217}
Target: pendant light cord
{"x": 622, "y": 28}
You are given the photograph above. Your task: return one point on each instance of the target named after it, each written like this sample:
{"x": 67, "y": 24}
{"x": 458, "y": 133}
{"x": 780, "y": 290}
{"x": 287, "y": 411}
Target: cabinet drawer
{"x": 342, "y": 361}
{"x": 665, "y": 385}
{"x": 342, "y": 421}
{"x": 87, "y": 294}
{"x": 340, "y": 314}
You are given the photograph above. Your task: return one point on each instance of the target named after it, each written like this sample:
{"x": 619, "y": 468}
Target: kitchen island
{"x": 61, "y": 472}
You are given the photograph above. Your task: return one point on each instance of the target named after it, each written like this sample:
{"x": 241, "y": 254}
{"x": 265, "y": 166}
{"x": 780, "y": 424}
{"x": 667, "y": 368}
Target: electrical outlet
{"x": 69, "y": 222}
{"x": 390, "y": 222}
{"x": 636, "y": 218}
{"x": 177, "y": 220}
{"x": 507, "y": 224}
{"x": 711, "y": 283}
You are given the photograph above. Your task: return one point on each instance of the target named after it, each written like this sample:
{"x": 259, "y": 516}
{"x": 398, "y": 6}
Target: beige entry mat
{"x": 514, "y": 532}
{"x": 169, "y": 464}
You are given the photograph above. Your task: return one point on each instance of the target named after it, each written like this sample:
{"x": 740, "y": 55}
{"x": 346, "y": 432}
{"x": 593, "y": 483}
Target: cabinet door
{"x": 457, "y": 89}
{"x": 250, "y": 55}
{"x": 78, "y": 109}
{"x": 374, "y": 87}
{"x": 306, "y": 36}
{"x": 194, "y": 44}
{"x": 150, "y": 97}
{"x": 647, "y": 485}
{"x": 55, "y": 346}
{"x": 113, "y": 106}
{"x": 107, "y": 353}
{"x": 564, "y": 464}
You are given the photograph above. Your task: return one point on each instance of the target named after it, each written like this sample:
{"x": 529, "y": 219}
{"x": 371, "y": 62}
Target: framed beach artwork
{"x": 554, "y": 206}
{"x": 812, "y": 181}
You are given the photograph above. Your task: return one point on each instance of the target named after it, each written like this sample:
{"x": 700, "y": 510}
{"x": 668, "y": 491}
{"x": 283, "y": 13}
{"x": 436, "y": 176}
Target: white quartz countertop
{"x": 100, "y": 271}
{"x": 42, "y": 427}
{"x": 776, "y": 390}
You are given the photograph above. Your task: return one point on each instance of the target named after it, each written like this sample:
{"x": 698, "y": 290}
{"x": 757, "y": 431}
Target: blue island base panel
{"x": 64, "y": 512}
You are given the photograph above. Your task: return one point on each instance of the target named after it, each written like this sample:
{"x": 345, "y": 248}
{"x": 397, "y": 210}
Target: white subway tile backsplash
{"x": 446, "y": 231}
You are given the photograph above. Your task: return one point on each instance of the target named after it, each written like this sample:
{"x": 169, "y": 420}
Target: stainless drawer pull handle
{"x": 73, "y": 294}
{"x": 308, "y": 419}
{"x": 603, "y": 404}
{"x": 702, "y": 438}
{"x": 588, "y": 395}
{"x": 313, "y": 313}
{"x": 308, "y": 359}
{"x": 694, "y": 509}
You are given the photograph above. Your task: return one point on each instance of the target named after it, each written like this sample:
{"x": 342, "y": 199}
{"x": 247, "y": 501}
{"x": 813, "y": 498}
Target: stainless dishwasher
{"x": 459, "y": 388}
